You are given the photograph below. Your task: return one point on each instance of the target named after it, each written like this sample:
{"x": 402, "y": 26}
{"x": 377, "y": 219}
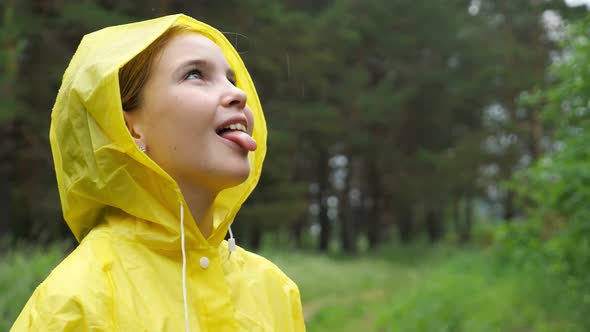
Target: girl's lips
{"x": 240, "y": 138}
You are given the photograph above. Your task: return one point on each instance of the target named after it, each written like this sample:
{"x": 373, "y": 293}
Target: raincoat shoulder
{"x": 283, "y": 292}
{"x": 76, "y": 296}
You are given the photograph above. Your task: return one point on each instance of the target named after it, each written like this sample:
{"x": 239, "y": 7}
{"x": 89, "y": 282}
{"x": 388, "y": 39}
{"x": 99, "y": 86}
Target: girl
{"x": 158, "y": 137}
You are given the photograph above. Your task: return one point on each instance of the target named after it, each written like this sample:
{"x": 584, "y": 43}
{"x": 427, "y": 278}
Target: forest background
{"x": 427, "y": 166}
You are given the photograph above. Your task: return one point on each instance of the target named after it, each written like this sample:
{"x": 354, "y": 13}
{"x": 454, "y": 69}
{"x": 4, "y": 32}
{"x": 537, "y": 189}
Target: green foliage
{"x": 90, "y": 16}
{"x": 554, "y": 240}
{"x": 470, "y": 294}
{"x": 12, "y": 44}
{"x": 21, "y": 270}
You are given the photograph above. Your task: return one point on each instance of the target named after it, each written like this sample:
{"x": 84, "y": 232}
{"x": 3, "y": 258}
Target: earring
{"x": 142, "y": 148}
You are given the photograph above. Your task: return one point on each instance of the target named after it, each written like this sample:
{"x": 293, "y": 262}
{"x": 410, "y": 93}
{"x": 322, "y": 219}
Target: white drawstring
{"x": 187, "y": 328}
{"x": 231, "y": 248}
{"x": 231, "y": 243}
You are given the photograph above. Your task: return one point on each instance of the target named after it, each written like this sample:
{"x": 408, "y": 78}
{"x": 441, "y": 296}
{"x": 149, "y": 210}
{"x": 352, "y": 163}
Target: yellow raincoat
{"x": 127, "y": 272}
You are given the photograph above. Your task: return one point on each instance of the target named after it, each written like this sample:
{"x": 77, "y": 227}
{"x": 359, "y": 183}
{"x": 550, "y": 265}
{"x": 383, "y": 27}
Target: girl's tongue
{"x": 240, "y": 138}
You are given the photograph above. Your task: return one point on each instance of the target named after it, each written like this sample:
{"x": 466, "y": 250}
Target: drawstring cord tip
{"x": 231, "y": 243}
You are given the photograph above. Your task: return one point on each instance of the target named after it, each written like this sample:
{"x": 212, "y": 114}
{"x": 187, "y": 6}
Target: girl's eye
{"x": 194, "y": 74}
{"x": 233, "y": 81}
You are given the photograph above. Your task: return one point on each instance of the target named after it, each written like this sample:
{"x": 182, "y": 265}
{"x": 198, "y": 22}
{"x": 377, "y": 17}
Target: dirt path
{"x": 313, "y": 308}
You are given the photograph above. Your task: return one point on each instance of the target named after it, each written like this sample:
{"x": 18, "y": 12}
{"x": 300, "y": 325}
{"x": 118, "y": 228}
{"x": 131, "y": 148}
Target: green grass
{"x": 347, "y": 294}
{"x": 21, "y": 270}
{"x": 439, "y": 290}
{"x": 470, "y": 293}
{"x": 399, "y": 289}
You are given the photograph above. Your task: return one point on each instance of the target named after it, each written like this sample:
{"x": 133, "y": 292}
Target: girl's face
{"x": 188, "y": 100}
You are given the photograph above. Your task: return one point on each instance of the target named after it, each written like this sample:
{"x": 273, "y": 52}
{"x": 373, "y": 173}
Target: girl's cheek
{"x": 250, "y": 117}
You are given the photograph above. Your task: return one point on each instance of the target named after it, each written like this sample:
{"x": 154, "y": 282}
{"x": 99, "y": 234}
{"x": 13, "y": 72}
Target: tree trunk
{"x": 164, "y": 7}
{"x": 10, "y": 52}
{"x": 509, "y": 206}
{"x": 457, "y": 216}
{"x": 255, "y": 237}
{"x": 347, "y": 229}
{"x": 374, "y": 212}
{"x": 405, "y": 223}
{"x": 325, "y": 226}
{"x": 536, "y": 135}
{"x": 7, "y": 172}
{"x": 434, "y": 227}
{"x": 297, "y": 233}
{"x": 467, "y": 221}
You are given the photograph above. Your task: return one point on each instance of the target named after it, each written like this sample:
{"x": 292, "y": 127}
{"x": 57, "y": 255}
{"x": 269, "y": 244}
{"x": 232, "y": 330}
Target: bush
{"x": 554, "y": 242}
{"x": 21, "y": 270}
{"x": 471, "y": 294}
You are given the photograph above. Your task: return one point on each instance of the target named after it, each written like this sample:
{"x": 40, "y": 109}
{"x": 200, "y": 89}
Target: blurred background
{"x": 428, "y": 164}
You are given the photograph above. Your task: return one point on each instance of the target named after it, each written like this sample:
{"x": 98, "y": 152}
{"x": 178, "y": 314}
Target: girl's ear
{"x": 134, "y": 125}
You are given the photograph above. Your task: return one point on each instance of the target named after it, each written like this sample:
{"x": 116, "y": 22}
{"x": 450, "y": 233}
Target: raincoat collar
{"x": 101, "y": 173}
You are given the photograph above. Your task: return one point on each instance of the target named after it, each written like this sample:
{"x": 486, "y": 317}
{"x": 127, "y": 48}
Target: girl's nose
{"x": 235, "y": 97}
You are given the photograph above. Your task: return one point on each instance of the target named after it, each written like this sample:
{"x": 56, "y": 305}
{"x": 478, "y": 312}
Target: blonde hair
{"x": 135, "y": 73}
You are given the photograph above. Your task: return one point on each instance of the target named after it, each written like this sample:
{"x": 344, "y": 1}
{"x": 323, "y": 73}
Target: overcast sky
{"x": 577, "y": 2}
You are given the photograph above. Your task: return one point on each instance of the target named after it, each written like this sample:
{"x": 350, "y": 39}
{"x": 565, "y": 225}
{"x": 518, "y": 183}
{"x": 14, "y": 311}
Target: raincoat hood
{"x": 98, "y": 166}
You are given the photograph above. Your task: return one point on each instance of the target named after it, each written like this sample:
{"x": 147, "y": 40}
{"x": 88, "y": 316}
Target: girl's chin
{"x": 241, "y": 178}
{"x": 235, "y": 177}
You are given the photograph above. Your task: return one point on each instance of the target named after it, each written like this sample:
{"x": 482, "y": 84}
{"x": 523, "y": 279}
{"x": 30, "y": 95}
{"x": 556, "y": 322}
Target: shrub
{"x": 21, "y": 270}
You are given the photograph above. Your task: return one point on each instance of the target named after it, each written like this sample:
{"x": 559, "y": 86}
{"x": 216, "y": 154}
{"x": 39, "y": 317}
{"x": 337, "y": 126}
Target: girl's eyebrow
{"x": 191, "y": 63}
{"x": 203, "y": 63}
{"x": 194, "y": 62}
